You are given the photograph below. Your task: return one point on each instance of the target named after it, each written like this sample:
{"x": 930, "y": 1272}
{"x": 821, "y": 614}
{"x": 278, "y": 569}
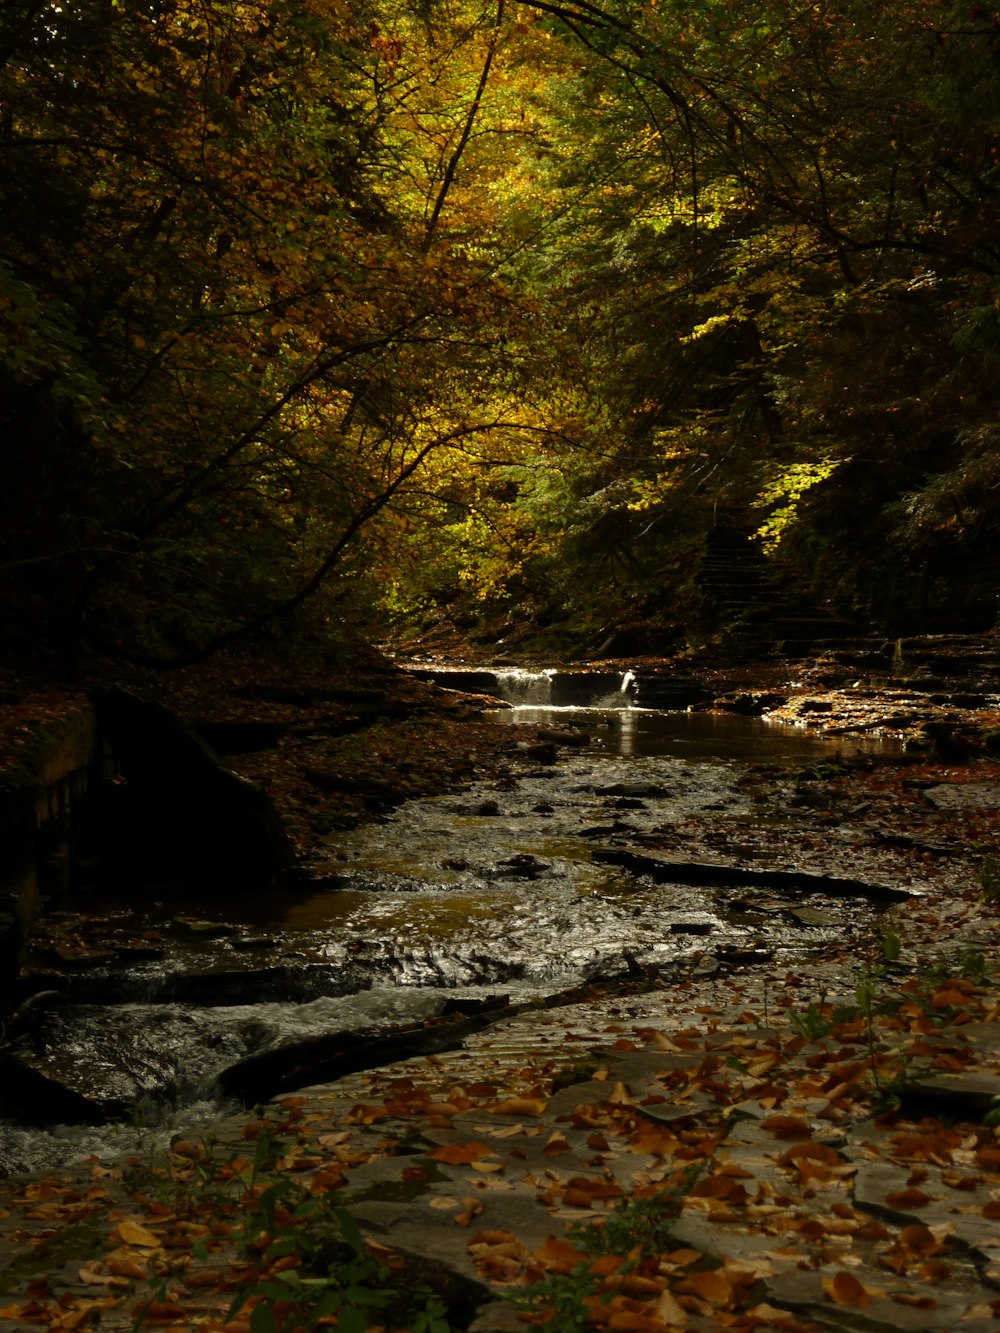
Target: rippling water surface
{"x": 490, "y": 890}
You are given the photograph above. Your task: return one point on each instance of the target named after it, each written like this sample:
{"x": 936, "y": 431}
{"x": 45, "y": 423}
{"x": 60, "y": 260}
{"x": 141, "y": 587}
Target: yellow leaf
{"x": 519, "y": 1106}
{"x": 667, "y": 1309}
{"x": 134, "y": 1233}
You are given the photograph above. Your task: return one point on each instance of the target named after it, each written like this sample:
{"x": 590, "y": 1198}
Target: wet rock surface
{"x": 789, "y": 1189}
{"x": 915, "y": 818}
{"x": 729, "y": 840}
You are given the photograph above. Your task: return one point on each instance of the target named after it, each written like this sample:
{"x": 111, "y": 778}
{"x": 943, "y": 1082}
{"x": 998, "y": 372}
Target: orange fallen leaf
{"x": 663, "y": 1043}
{"x": 473, "y": 1207}
{"x": 159, "y": 1312}
{"x": 787, "y": 1127}
{"x": 682, "y": 1257}
{"x": 769, "y": 1316}
{"x": 634, "y": 1321}
{"x": 709, "y": 1286}
{"x": 559, "y": 1256}
{"x": 640, "y": 1287}
{"x": 914, "y": 1301}
{"x": 457, "y": 1154}
{"x": 717, "y": 1186}
{"x": 920, "y": 1238}
{"x": 813, "y": 1152}
{"x": 845, "y": 1289}
{"x": 911, "y": 1198}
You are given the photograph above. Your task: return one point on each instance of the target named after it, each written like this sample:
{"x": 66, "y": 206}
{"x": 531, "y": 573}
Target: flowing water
{"x": 494, "y": 889}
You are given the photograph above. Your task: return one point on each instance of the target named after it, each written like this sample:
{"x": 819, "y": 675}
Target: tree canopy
{"x": 315, "y": 312}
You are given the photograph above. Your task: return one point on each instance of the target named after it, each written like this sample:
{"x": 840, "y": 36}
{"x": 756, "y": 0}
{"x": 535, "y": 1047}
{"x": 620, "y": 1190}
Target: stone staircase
{"x": 758, "y": 600}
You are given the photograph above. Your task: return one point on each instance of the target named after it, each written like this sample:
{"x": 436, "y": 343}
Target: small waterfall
{"x": 539, "y": 687}
{"x": 524, "y": 689}
{"x": 552, "y": 687}
{"x": 621, "y": 697}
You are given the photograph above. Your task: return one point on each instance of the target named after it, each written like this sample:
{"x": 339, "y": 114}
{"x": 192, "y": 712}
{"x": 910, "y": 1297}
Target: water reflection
{"x": 650, "y": 733}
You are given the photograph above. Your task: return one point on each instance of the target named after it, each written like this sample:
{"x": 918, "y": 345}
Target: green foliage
{"x": 311, "y": 1263}
{"x": 638, "y": 1227}
{"x": 335, "y": 1275}
{"x": 971, "y": 963}
{"x": 812, "y": 1022}
{"x": 307, "y": 309}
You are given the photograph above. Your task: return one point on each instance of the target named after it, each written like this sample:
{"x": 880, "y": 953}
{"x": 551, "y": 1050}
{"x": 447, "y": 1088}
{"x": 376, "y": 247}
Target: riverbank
{"x": 689, "y": 1092}
{"x": 335, "y": 752}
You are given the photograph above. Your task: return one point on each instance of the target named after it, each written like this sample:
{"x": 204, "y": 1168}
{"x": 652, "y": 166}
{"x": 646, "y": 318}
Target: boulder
{"x": 182, "y": 812}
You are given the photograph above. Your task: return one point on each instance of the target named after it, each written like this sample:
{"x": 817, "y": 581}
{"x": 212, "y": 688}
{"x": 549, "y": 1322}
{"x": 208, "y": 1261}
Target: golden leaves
{"x": 519, "y": 1106}
{"x": 132, "y": 1232}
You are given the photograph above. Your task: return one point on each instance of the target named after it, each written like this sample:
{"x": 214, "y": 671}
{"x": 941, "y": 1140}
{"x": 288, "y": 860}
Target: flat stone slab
{"x": 964, "y": 795}
{"x": 489, "y": 1158}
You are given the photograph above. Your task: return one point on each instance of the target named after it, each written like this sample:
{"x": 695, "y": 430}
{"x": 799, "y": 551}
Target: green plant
{"x": 812, "y": 1022}
{"x": 971, "y": 963}
{"x": 334, "y": 1273}
{"x": 637, "y": 1228}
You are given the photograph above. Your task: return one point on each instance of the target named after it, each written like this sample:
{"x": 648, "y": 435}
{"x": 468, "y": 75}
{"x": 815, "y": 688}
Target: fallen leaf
{"x": 914, "y": 1301}
{"x": 787, "y": 1127}
{"x": 518, "y": 1106}
{"x": 813, "y": 1152}
{"x": 663, "y": 1043}
{"x": 911, "y": 1198}
{"x": 130, "y": 1232}
{"x": 845, "y": 1289}
{"x": 457, "y": 1154}
{"x": 556, "y": 1144}
{"x": 713, "y": 1287}
{"x": 559, "y": 1256}
{"x": 666, "y": 1309}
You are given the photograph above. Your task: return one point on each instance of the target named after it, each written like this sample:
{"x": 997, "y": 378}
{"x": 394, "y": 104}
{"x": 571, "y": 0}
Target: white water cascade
{"x": 554, "y": 687}
{"x": 523, "y": 688}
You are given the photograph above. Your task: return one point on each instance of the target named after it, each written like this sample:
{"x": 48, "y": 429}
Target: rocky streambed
{"x": 612, "y": 846}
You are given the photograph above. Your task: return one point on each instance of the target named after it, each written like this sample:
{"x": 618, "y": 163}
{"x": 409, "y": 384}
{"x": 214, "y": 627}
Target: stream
{"x": 497, "y": 889}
